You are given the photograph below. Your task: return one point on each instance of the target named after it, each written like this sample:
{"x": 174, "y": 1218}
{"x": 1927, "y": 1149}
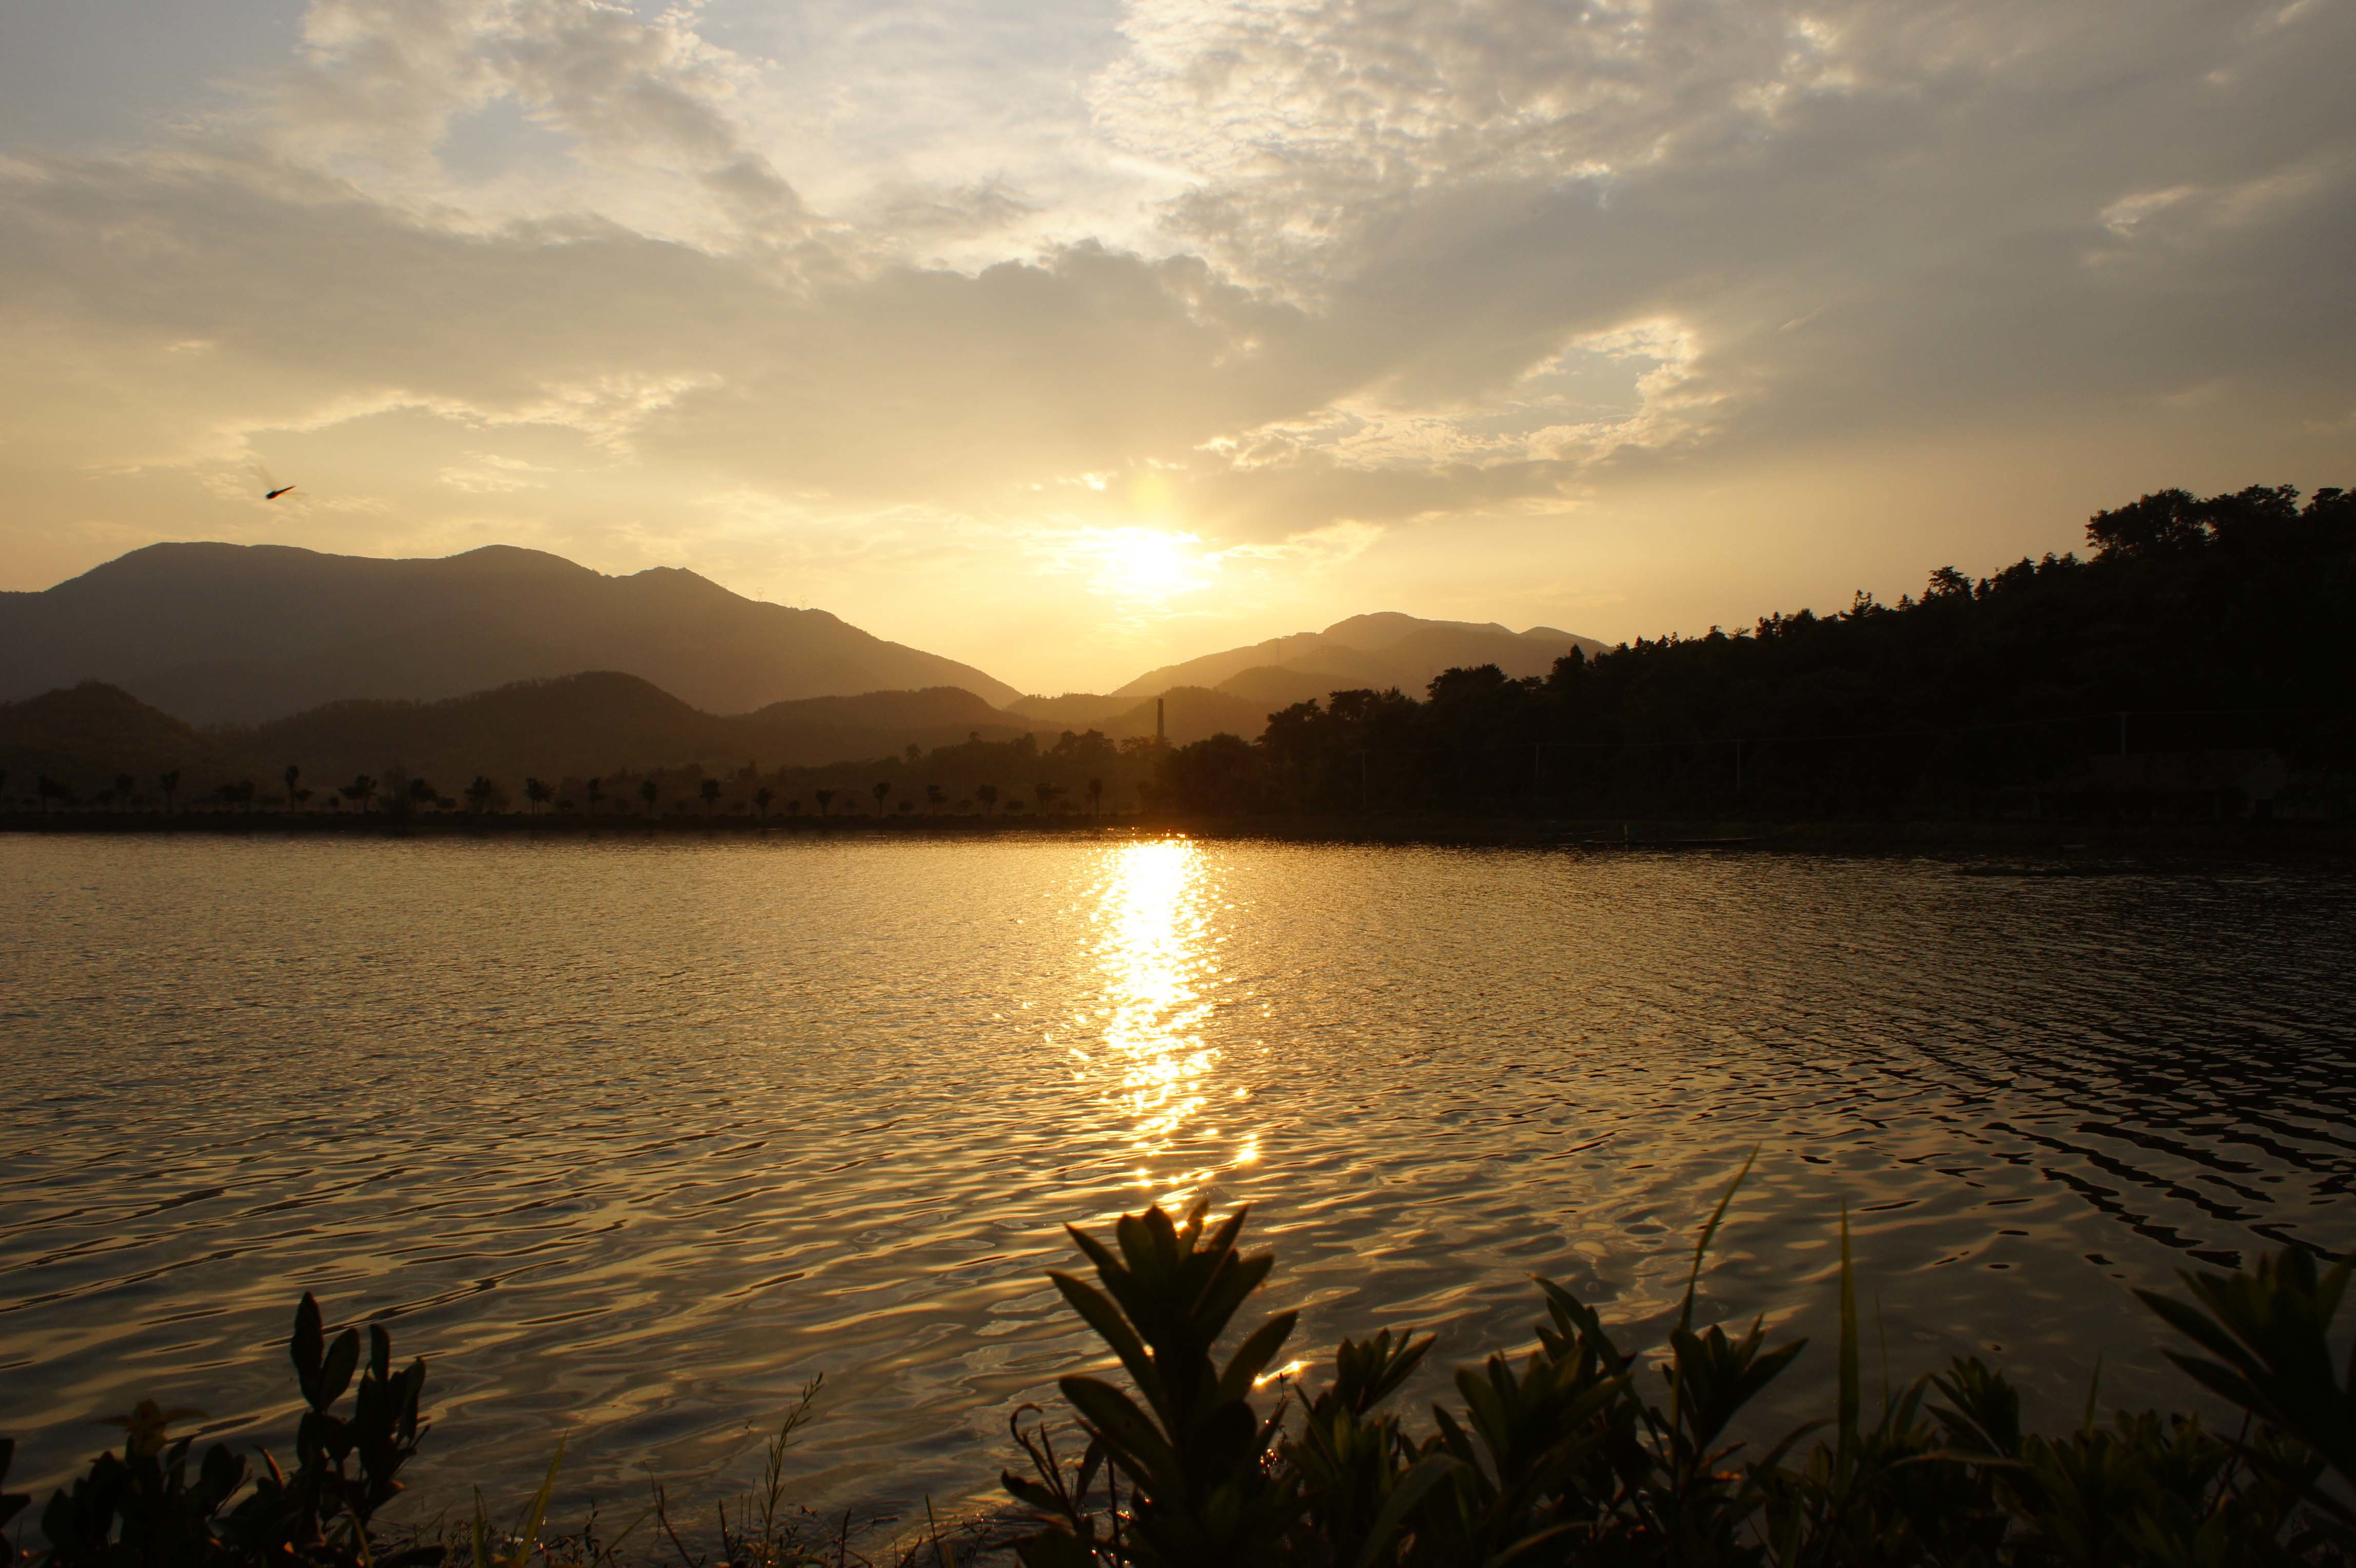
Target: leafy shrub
{"x": 143, "y": 1507}
{"x": 1586, "y": 1453}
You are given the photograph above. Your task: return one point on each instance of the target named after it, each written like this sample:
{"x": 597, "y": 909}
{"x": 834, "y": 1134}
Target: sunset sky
{"x": 1069, "y": 338}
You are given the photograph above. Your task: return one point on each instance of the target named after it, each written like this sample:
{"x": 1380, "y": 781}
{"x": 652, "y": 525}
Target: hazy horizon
{"x": 1070, "y": 340}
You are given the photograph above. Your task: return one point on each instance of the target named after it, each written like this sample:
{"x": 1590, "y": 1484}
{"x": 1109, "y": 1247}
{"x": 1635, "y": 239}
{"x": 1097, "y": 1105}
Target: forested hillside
{"x": 2203, "y": 638}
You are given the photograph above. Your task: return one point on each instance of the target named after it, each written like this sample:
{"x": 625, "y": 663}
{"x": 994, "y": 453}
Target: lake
{"x": 630, "y": 1139}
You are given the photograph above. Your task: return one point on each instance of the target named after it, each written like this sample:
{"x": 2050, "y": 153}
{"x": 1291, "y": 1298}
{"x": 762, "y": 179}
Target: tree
{"x": 1045, "y": 792}
{"x": 987, "y": 795}
{"x": 761, "y": 798}
{"x": 883, "y": 787}
{"x": 794, "y": 807}
{"x": 596, "y": 790}
{"x": 170, "y": 784}
{"x": 825, "y": 802}
{"x": 1095, "y": 797}
{"x": 422, "y": 794}
{"x": 124, "y": 784}
{"x": 538, "y": 793}
{"x": 479, "y": 793}
{"x": 646, "y": 793}
{"x": 293, "y": 776}
{"x": 710, "y": 790}
{"x": 934, "y": 796}
{"x": 45, "y": 790}
{"x": 360, "y": 791}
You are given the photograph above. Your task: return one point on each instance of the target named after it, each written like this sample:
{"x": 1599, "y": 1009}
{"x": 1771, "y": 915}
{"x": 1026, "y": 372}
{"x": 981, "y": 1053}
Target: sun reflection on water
{"x": 1155, "y": 951}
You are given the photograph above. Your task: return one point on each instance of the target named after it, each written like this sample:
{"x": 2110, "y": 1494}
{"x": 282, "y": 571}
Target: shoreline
{"x": 2062, "y": 842}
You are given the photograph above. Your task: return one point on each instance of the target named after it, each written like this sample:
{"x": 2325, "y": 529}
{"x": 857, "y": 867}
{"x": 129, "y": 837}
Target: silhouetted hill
{"x": 92, "y": 732}
{"x": 244, "y": 633}
{"x": 601, "y": 722}
{"x": 1376, "y": 652}
{"x": 1191, "y": 713}
{"x": 2199, "y": 665}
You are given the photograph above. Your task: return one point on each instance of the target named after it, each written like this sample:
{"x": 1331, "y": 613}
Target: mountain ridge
{"x": 243, "y": 633}
{"x": 1382, "y": 649}
{"x": 595, "y": 722}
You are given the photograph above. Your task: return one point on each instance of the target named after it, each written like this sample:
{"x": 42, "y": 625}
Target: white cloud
{"x": 864, "y": 281}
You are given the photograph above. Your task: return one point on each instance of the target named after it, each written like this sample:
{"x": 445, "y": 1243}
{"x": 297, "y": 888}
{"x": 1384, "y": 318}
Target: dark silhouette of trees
{"x": 124, "y": 784}
{"x": 825, "y": 802}
{"x": 293, "y": 776}
{"x": 170, "y": 784}
{"x": 538, "y": 794}
{"x": 710, "y": 790}
{"x": 479, "y": 793}
{"x": 761, "y": 798}
{"x": 360, "y": 792}
{"x": 880, "y": 788}
{"x": 934, "y": 796}
{"x": 594, "y": 789}
{"x": 422, "y": 794}
{"x": 987, "y": 795}
{"x": 649, "y": 792}
{"x": 1095, "y": 797}
{"x": 2199, "y": 625}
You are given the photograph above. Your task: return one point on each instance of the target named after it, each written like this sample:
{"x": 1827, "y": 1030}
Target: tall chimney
{"x": 1160, "y": 738}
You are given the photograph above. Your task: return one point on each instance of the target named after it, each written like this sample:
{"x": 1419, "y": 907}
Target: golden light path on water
{"x": 631, "y": 1140}
{"x": 1156, "y": 954}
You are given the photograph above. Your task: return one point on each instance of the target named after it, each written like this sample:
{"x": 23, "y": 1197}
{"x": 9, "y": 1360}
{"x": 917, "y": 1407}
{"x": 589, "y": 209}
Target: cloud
{"x": 902, "y": 272}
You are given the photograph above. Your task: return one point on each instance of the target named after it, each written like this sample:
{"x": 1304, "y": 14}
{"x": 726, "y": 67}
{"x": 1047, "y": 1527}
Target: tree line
{"x": 2209, "y": 625}
{"x": 1083, "y": 772}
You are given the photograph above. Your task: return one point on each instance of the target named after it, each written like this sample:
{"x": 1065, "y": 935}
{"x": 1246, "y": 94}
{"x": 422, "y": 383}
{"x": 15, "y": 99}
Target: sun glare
{"x": 1156, "y": 953}
{"x": 1148, "y": 565}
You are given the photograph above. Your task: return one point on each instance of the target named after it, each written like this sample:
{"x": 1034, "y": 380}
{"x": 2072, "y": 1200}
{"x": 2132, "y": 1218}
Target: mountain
{"x": 1189, "y": 713}
{"x": 90, "y": 733}
{"x": 1378, "y": 651}
{"x": 598, "y": 724}
{"x": 1235, "y": 691}
{"x": 231, "y": 633}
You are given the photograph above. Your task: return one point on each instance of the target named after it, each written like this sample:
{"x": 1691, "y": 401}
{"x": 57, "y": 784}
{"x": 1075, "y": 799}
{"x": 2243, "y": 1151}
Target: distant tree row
{"x": 1077, "y": 773}
{"x": 2197, "y": 625}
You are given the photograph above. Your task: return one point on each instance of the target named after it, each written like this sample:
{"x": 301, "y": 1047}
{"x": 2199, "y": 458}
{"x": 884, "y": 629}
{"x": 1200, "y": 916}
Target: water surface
{"x": 630, "y": 1140}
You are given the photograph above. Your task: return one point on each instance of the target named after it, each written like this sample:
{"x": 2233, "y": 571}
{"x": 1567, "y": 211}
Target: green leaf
{"x": 336, "y": 1375}
{"x": 1252, "y": 1357}
{"x": 1406, "y": 1493}
{"x": 1701, "y": 1247}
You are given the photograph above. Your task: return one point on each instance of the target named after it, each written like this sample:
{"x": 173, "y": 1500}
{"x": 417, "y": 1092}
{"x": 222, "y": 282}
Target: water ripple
{"x": 631, "y": 1140}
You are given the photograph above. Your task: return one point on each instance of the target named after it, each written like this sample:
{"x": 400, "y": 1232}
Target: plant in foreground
{"x": 1586, "y": 1453}
{"x": 1581, "y": 1452}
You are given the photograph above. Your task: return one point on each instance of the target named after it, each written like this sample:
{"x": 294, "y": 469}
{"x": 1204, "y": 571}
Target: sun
{"x": 1149, "y": 565}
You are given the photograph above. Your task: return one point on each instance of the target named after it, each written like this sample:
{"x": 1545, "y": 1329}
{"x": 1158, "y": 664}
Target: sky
{"x": 1070, "y": 337}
